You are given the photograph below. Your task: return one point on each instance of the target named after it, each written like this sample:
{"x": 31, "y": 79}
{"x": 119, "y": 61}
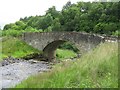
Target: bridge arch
{"x": 49, "y": 41}
{"x": 50, "y": 49}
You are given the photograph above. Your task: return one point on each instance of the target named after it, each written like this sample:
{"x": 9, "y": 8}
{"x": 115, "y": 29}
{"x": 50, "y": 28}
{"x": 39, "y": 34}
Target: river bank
{"x": 14, "y": 73}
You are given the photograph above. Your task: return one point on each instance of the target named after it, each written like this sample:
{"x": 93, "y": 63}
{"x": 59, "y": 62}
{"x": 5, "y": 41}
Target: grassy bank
{"x": 96, "y": 69}
{"x": 14, "y": 47}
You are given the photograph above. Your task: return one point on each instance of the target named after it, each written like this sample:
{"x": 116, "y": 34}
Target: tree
{"x": 21, "y": 25}
{"x": 95, "y": 17}
{"x": 56, "y": 26}
{"x": 11, "y": 26}
{"x": 46, "y": 21}
{"x": 67, "y": 5}
{"x": 54, "y": 13}
{"x": 99, "y": 28}
{"x": 110, "y": 28}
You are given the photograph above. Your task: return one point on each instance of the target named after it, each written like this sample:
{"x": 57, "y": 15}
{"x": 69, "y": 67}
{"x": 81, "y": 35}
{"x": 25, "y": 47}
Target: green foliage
{"x": 56, "y": 26}
{"x": 105, "y": 28}
{"x": 31, "y": 29}
{"x": 116, "y": 33}
{"x": 64, "y": 54}
{"x": 21, "y": 25}
{"x": 44, "y": 22}
{"x": 49, "y": 29}
{"x": 10, "y": 26}
{"x": 14, "y": 47}
{"x": 96, "y": 69}
{"x": 16, "y": 33}
{"x": 101, "y": 18}
{"x": 69, "y": 46}
{"x": 68, "y": 4}
{"x": 54, "y": 13}
{"x": 13, "y": 33}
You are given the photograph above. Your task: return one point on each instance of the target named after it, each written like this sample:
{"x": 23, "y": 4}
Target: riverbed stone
{"x": 13, "y": 74}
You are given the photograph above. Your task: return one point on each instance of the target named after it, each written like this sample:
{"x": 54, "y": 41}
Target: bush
{"x": 69, "y": 46}
{"x": 116, "y": 33}
{"x": 31, "y": 29}
{"x": 13, "y": 33}
{"x": 16, "y": 33}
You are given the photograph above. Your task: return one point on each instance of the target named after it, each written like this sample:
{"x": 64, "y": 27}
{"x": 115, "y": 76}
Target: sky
{"x": 12, "y": 10}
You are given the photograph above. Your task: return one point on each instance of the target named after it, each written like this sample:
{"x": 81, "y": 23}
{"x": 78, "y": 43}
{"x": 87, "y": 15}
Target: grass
{"x": 14, "y": 47}
{"x": 64, "y": 53}
{"x": 96, "y": 69}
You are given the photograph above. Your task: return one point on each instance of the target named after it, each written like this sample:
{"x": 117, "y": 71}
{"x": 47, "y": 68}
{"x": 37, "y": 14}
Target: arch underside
{"x": 49, "y": 50}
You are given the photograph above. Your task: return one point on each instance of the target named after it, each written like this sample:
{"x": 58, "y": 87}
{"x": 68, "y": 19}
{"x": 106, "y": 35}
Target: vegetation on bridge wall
{"x": 100, "y": 17}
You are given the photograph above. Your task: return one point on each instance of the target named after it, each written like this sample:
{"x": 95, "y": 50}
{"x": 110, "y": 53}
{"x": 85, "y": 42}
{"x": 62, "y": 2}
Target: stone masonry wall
{"x": 83, "y": 41}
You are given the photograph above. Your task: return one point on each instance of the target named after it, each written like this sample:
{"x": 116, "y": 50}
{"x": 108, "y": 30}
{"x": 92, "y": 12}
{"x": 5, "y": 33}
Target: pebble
{"x": 15, "y": 72}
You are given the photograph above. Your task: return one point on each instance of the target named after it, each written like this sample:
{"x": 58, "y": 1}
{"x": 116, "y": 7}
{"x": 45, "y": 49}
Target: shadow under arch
{"x": 49, "y": 51}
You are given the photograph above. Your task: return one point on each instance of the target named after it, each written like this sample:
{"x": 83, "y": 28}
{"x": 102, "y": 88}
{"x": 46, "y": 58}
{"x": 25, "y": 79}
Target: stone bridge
{"x": 48, "y": 42}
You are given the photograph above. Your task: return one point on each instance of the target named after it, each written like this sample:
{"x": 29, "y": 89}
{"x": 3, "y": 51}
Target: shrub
{"x": 13, "y": 33}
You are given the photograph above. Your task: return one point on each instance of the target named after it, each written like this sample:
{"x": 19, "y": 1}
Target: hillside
{"x": 96, "y": 69}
